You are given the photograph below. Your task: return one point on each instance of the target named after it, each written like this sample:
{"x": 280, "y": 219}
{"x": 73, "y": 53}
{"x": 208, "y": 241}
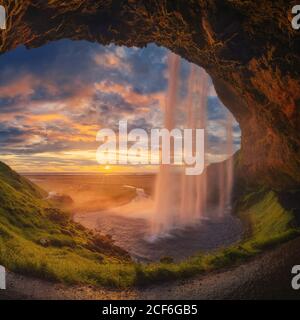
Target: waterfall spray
{"x": 194, "y": 189}
{"x": 165, "y": 186}
{"x": 229, "y": 162}
{"x": 226, "y": 169}
{"x": 181, "y": 200}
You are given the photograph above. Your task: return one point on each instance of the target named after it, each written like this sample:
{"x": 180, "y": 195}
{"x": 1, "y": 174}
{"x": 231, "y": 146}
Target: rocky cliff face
{"x": 248, "y": 47}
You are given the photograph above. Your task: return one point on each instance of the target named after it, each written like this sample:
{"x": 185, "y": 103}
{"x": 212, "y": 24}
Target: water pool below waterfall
{"x": 128, "y": 226}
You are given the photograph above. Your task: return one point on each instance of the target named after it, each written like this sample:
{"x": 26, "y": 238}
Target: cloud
{"x": 111, "y": 61}
{"x": 55, "y": 98}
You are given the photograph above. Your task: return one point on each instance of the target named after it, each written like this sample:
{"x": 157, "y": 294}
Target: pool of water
{"x": 129, "y": 227}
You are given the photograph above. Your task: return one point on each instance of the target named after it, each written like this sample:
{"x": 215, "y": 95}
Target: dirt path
{"x": 268, "y": 276}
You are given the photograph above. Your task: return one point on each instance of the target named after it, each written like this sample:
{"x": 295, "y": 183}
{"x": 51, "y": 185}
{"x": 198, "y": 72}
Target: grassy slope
{"x": 69, "y": 252}
{"x": 74, "y": 255}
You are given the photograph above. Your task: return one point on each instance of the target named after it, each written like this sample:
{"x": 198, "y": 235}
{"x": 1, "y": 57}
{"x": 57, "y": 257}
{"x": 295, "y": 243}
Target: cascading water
{"x": 226, "y": 169}
{"x": 181, "y": 200}
{"x": 230, "y": 152}
{"x": 193, "y": 188}
{"x": 165, "y": 211}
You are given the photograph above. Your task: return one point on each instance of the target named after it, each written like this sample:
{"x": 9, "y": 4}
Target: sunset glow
{"x": 56, "y": 98}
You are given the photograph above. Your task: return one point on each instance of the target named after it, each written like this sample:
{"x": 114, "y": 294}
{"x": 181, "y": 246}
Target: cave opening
{"x": 241, "y": 68}
{"x": 54, "y": 100}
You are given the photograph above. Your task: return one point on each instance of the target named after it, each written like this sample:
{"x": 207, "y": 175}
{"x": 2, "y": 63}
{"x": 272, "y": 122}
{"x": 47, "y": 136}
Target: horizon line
{"x": 84, "y": 173}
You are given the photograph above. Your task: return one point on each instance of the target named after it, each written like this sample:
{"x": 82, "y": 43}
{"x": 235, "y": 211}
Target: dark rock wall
{"x": 248, "y": 47}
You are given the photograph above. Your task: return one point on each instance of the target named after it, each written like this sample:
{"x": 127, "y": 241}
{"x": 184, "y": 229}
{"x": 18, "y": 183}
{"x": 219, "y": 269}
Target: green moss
{"x": 270, "y": 223}
{"x": 39, "y": 240}
{"x": 18, "y": 182}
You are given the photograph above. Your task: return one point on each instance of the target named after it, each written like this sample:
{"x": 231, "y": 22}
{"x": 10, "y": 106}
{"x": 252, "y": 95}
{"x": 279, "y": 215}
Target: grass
{"x": 39, "y": 240}
{"x": 267, "y": 223}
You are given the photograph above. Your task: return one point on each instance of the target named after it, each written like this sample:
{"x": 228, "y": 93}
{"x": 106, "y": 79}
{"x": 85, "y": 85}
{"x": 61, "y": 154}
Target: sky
{"x": 54, "y": 99}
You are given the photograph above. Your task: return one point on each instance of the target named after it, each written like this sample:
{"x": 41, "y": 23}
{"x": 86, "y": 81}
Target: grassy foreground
{"x": 37, "y": 239}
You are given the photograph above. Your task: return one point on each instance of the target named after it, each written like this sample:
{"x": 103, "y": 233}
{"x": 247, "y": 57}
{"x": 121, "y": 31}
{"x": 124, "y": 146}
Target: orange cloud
{"x": 23, "y": 86}
{"x": 111, "y": 60}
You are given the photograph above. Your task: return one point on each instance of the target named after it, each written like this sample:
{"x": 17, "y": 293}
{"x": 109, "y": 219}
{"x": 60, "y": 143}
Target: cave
{"x": 256, "y": 77}
{"x": 251, "y": 53}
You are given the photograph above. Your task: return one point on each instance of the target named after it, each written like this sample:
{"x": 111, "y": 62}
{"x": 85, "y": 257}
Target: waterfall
{"x": 165, "y": 210}
{"x": 194, "y": 188}
{"x": 226, "y": 169}
{"x": 181, "y": 200}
